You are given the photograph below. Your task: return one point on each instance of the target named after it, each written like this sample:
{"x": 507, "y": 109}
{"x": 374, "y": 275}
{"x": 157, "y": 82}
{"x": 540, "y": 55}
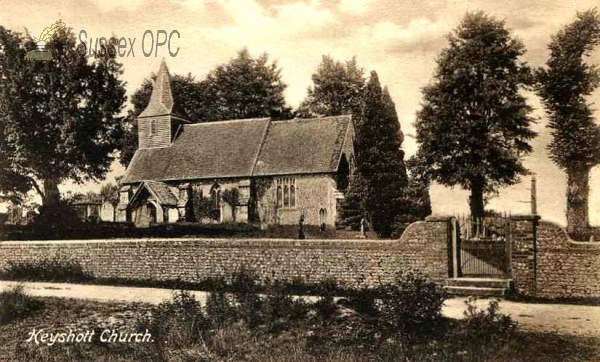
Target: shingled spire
{"x": 161, "y": 100}
{"x": 159, "y": 123}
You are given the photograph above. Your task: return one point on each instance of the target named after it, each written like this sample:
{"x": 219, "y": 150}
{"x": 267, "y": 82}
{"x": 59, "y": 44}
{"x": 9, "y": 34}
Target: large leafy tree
{"x": 337, "y": 89}
{"x": 474, "y": 125}
{"x": 564, "y": 85}
{"x": 58, "y": 118}
{"x": 379, "y": 156}
{"x": 245, "y": 87}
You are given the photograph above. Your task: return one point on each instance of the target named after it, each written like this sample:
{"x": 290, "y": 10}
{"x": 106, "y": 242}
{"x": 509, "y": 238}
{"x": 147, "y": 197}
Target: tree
{"x": 245, "y": 87}
{"x": 474, "y": 125}
{"x": 379, "y": 156}
{"x": 337, "y": 89}
{"x": 232, "y": 198}
{"x": 57, "y": 118}
{"x": 109, "y": 192}
{"x": 416, "y": 203}
{"x": 353, "y": 208}
{"x": 563, "y": 86}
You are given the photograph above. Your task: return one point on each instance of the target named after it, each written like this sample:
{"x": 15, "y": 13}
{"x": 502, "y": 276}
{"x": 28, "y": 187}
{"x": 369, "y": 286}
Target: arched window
{"x": 292, "y": 196}
{"x": 279, "y": 196}
{"x": 152, "y": 126}
{"x": 215, "y": 194}
{"x": 286, "y": 196}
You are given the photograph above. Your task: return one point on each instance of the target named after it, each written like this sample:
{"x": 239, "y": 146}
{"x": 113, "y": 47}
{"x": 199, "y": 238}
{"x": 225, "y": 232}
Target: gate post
{"x": 508, "y": 238}
{"x": 455, "y": 251}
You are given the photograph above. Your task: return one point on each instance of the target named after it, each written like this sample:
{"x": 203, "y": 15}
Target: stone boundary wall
{"x": 423, "y": 246}
{"x": 566, "y": 268}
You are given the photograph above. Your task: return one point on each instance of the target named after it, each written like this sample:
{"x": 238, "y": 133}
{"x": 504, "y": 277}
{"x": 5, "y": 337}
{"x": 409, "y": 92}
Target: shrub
{"x": 411, "y": 309}
{"x": 202, "y": 207}
{"x": 56, "y": 217}
{"x": 327, "y": 310}
{"x": 220, "y": 309}
{"x": 16, "y": 304}
{"x": 54, "y": 269}
{"x": 281, "y": 310}
{"x": 179, "y": 323}
{"x": 484, "y": 332}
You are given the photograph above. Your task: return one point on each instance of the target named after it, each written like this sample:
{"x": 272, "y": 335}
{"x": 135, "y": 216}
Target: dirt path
{"x": 562, "y": 318}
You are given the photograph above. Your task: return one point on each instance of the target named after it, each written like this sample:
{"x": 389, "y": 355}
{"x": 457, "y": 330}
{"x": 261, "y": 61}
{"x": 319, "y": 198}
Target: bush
{"x": 15, "y": 304}
{"x": 56, "y": 269}
{"x": 176, "y": 324}
{"x": 410, "y": 309}
{"x": 406, "y": 312}
{"x": 56, "y": 217}
{"x": 484, "y": 332}
{"x": 280, "y": 310}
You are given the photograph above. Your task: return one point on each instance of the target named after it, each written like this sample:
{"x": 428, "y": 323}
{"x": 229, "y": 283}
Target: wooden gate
{"x": 483, "y": 246}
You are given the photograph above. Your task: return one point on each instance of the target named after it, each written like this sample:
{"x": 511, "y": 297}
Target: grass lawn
{"x": 236, "y": 342}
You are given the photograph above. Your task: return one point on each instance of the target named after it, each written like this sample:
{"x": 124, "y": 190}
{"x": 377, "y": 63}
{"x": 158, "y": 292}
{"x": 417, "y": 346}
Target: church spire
{"x": 161, "y": 100}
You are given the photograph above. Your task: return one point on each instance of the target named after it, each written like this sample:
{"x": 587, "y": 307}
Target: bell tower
{"x": 159, "y": 123}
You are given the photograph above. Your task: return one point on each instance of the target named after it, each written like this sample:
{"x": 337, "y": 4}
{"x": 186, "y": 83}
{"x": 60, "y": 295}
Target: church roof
{"x": 160, "y": 190}
{"x": 244, "y": 148}
{"x": 302, "y": 146}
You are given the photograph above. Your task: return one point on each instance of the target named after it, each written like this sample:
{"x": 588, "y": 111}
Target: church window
{"x": 292, "y": 196}
{"x": 152, "y": 127}
{"x": 286, "y": 192}
{"x": 286, "y": 196}
{"x": 279, "y": 197}
{"x": 215, "y": 194}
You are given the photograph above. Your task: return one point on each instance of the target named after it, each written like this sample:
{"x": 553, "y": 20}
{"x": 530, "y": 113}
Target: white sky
{"x": 398, "y": 39}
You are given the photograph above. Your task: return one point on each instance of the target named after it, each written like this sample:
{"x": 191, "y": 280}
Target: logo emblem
{"x": 41, "y": 53}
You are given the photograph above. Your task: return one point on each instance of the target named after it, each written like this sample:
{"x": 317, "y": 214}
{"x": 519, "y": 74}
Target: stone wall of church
{"x": 314, "y": 199}
{"x": 205, "y": 187}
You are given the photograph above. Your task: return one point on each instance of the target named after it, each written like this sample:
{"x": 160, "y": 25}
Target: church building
{"x": 246, "y": 170}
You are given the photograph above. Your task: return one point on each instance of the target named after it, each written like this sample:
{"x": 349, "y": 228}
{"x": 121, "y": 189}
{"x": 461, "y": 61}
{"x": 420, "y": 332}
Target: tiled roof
{"x": 202, "y": 150}
{"x": 162, "y": 192}
{"x": 243, "y": 148}
{"x": 302, "y": 146}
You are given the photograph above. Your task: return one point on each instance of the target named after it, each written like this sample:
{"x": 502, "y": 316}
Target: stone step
{"x": 479, "y": 282}
{"x": 475, "y": 291}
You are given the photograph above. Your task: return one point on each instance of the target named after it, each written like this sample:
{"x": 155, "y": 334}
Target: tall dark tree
{"x": 353, "y": 208}
{"x": 379, "y": 156}
{"x": 58, "y": 118}
{"x": 337, "y": 89}
{"x": 564, "y": 85}
{"x": 474, "y": 125}
{"x": 245, "y": 87}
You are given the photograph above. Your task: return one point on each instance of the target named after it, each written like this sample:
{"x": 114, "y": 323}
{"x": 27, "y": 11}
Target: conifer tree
{"x": 564, "y": 86}
{"x": 380, "y": 157}
{"x": 353, "y": 206}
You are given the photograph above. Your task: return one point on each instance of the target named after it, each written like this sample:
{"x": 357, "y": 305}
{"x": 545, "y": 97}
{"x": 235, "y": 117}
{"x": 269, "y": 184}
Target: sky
{"x": 398, "y": 39}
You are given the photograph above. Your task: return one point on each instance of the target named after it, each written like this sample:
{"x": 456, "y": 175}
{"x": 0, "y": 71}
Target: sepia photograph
{"x": 299, "y": 181}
